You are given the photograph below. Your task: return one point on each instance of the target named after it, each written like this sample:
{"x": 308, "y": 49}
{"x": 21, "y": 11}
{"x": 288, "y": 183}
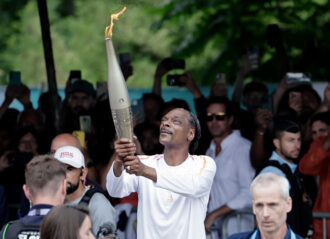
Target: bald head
{"x": 65, "y": 140}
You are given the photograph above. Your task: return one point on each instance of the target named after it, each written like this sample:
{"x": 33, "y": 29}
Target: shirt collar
{"x": 278, "y": 158}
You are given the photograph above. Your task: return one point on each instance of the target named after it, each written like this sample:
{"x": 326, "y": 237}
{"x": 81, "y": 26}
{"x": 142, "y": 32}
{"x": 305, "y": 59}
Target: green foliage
{"x": 211, "y": 35}
{"x": 232, "y": 26}
{"x": 79, "y": 43}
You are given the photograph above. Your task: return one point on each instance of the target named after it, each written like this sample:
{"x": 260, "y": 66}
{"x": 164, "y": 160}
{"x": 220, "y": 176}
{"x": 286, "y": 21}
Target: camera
{"x": 174, "y": 80}
{"x": 19, "y": 158}
{"x": 297, "y": 77}
{"x": 172, "y": 63}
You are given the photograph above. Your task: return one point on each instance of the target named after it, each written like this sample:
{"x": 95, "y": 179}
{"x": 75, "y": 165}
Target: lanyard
{"x": 39, "y": 212}
{"x": 254, "y": 235}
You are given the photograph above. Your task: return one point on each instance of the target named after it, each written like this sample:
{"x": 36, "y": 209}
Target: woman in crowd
{"x": 67, "y": 221}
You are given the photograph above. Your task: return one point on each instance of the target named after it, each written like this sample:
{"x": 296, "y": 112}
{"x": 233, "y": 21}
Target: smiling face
{"x": 270, "y": 208}
{"x": 175, "y": 129}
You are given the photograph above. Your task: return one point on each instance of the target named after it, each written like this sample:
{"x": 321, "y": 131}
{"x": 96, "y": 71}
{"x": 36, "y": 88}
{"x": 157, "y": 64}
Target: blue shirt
{"x": 273, "y": 169}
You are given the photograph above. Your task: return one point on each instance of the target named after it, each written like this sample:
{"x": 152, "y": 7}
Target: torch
{"x": 118, "y": 94}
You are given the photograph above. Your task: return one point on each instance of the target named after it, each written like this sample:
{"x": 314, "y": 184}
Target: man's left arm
{"x": 103, "y": 216}
{"x": 189, "y": 182}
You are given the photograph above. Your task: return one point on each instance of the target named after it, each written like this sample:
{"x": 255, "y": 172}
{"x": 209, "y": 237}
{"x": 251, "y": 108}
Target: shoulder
{"x": 203, "y": 161}
{"x": 273, "y": 169}
{"x": 242, "y": 235}
{"x": 150, "y": 160}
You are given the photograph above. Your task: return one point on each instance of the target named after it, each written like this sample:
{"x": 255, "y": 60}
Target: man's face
{"x": 73, "y": 178}
{"x": 79, "y": 102}
{"x": 288, "y": 146}
{"x": 175, "y": 129}
{"x": 254, "y": 100}
{"x": 319, "y": 129}
{"x": 218, "y": 127}
{"x": 270, "y": 208}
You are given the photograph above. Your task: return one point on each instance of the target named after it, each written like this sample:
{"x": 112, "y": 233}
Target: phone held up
{"x": 297, "y": 78}
{"x": 171, "y": 64}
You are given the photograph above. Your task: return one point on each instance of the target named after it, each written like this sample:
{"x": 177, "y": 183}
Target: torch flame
{"x": 108, "y": 29}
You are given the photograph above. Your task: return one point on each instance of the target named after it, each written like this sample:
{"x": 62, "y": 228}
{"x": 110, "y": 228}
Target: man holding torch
{"x": 173, "y": 187}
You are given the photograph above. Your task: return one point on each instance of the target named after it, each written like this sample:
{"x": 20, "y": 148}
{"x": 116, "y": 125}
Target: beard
{"x": 70, "y": 188}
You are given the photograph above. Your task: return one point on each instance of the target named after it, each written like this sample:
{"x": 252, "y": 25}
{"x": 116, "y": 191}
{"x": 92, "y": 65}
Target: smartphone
{"x": 85, "y": 123}
{"x": 172, "y": 63}
{"x": 297, "y": 78}
{"x": 124, "y": 58}
{"x": 15, "y": 78}
{"x": 253, "y": 55}
{"x": 80, "y": 136}
{"x": 174, "y": 80}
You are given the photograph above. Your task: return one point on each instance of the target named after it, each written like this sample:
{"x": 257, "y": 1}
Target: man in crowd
{"x": 230, "y": 151}
{"x": 173, "y": 187}
{"x": 45, "y": 187}
{"x": 102, "y": 212}
{"x": 317, "y": 163}
{"x": 80, "y": 101}
{"x": 271, "y": 203}
{"x": 287, "y": 142}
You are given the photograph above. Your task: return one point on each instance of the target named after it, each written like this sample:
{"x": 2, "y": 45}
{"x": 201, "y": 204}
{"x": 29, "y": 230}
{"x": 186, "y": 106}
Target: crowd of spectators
{"x": 241, "y": 132}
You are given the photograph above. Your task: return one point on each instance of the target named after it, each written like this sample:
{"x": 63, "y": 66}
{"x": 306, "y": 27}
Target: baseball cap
{"x": 82, "y": 86}
{"x": 70, "y": 155}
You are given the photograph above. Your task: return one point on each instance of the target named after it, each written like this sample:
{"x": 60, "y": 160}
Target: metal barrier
{"x": 238, "y": 214}
{"x": 324, "y": 216}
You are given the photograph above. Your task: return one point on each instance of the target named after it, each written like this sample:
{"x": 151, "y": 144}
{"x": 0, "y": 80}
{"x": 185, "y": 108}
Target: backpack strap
{"x": 88, "y": 195}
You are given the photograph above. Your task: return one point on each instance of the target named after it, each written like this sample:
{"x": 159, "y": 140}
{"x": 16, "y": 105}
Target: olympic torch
{"x": 118, "y": 94}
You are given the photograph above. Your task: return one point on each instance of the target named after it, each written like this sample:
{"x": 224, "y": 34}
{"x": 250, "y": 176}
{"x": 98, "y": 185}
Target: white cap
{"x": 70, "y": 155}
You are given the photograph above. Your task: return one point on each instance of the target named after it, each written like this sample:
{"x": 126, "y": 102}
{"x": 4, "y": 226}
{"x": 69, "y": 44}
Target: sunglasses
{"x": 220, "y": 116}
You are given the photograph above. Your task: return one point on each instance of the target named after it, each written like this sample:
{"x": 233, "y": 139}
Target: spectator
{"x": 230, "y": 151}
{"x": 320, "y": 124}
{"x": 271, "y": 203}
{"x": 317, "y": 163}
{"x": 171, "y": 186}
{"x": 67, "y": 221}
{"x": 102, "y": 212}
{"x": 45, "y": 188}
{"x": 287, "y": 142}
{"x": 80, "y": 101}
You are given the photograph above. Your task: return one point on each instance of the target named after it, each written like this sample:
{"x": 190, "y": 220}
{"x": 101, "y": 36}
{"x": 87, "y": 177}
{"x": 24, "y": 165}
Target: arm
{"x": 312, "y": 162}
{"x": 244, "y": 174}
{"x": 119, "y": 183}
{"x": 160, "y": 72}
{"x": 238, "y": 87}
{"x": 9, "y": 97}
{"x": 195, "y": 182}
{"x": 24, "y": 97}
{"x": 258, "y": 152}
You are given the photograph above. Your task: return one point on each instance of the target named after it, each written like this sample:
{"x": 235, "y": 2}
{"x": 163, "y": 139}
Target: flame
{"x": 115, "y": 16}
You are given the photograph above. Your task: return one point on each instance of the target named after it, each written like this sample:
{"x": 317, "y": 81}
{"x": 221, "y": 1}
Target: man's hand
{"x": 11, "y": 92}
{"x": 209, "y": 221}
{"x": 4, "y": 161}
{"x": 190, "y": 84}
{"x": 123, "y": 148}
{"x": 263, "y": 118}
{"x": 133, "y": 165}
{"x": 24, "y": 96}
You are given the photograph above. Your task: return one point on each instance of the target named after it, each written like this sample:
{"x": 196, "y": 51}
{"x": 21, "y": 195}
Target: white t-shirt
{"x": 174, "y": 206}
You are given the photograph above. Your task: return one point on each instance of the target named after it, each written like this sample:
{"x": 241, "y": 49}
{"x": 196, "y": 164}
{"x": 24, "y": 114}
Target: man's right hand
{"x": 123, "y": 148}
{"x": 263, "y": 119}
